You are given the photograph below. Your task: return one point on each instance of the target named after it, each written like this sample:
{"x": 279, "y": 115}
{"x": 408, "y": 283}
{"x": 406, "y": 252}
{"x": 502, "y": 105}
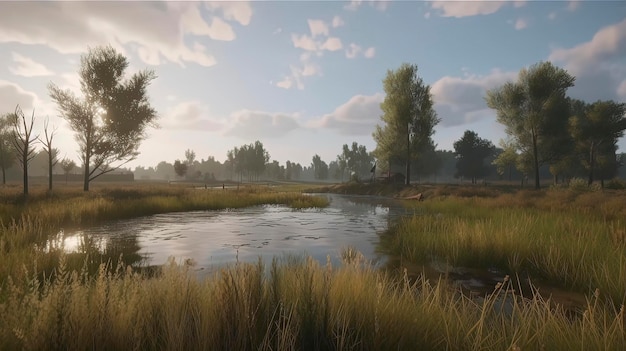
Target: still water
{"x": 210, "y": 239}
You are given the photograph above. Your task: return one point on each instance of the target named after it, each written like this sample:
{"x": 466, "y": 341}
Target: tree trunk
{"x": 536, "y": 161}
{"x": 25, "y": 171}
{"x": 592, "y": 161}
{"x": 408, "y": 158}
{"x": 50, "y": 170}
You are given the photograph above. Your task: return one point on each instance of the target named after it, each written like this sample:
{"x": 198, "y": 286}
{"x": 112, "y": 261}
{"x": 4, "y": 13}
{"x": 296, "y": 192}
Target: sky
{"x": 304, "y": 77}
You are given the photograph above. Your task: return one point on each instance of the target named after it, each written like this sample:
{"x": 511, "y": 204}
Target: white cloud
{"x": 427, "y": 15}
{"x": 521, "y": 24}
{"x": 27, "y": 67}
{"x": 332, "y": 44}
{"x": 318, "y": 27}
{"x": 460, "y": 9}
{"x": 460, "y": 100}
{"x": 353, "y": 50}
{"x": 337, "y": 22}
{"x": 252, "y": 125}
{"x": 608, "y": 42}
{"x": 239, "y": 11}
{"x": 12, "y": 95}
{"x": 380, "y": 5}
{"x": 552, "y": 15}
{"x": 370, "y": 52}
{"x": 277, "y": 31}
{"x": 304, "y": 42}
{"x": 70, "y": 27}
{"x": 192, "y": 116}
{"x": 358, "y": 116}
{"x": 573, "y": 5}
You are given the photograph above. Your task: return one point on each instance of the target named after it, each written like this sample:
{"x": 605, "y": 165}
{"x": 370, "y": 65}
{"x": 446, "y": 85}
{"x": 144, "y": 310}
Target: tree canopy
{"x": 535, "y": 112}
{"x": 111, "y": 118}
{"x": 471, "y": 152}
{"x": 408, "y": 118}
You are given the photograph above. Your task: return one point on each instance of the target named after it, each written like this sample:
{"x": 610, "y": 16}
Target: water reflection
{"x": 213, "y": 238}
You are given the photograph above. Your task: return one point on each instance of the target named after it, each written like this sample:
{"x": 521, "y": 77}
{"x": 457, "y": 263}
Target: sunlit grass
{"x": 26, "y": 223}
{"x": 297, "y": 304}
{"x": 577, "y": 241}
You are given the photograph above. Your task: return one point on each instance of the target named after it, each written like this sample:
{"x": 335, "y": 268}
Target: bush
{"x": 615, "y": 184}
{"x": 579, "y": 184}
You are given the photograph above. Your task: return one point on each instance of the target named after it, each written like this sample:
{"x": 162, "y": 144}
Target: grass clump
{"x": 576, "y": 240}
{"x": 297, "y": 304}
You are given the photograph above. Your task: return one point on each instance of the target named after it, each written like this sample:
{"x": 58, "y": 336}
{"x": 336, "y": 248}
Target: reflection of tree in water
{"x": 112, "y": 250}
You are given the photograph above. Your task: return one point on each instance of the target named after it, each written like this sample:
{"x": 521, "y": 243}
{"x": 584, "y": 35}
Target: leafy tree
{"x": 408, "y": 116}
{"x": 249, "y": 160}
{"x": 430, "y": 163}
{"x": 23, "y": 141}
{"x": 190, "y": 157}
{"x": 596, "y": 128}
{"x": 471, "y": 152}
{"x": 53, "y": 154}
{"x": 7, "y": 156}
{"x": 507, "y": 159}
{"x": 67, "y": 166}
{"x": 111, "y": 119}
{"x": 180, "y": 168}
{"x": 534, "y": 111}
{"x": 320, "y": 168}
{"x": 342, "y": 161}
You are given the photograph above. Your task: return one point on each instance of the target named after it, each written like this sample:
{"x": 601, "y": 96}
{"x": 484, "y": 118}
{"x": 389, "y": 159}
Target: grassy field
{"x": 576, "y": 238}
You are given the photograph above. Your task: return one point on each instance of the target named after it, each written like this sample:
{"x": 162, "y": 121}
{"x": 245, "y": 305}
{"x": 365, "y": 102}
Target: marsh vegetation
{"x": 572, "y": 238}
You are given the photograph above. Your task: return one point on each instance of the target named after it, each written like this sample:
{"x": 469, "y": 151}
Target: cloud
{"x": 70, "y": 27}
{"x": 358, "y": 116}
{"x": 27, "y": 67}
{"x": 277, "y": 31}
{"x": 521, "y": 24}
{"x": 552, "y": 15}
{"x": 468, "y": 8}
{"x": 304, "y": 42}
{"x": 427, "y": 15}
{"x": 238, "y": 11}
{"x": 598, "y": 64}
{"x": 332, "y": 44}
{"x": 12, "y": 95}
{"x": 192, "y": 116}
{"x": 380, "y": 5}
{"x": 337, "y": 22}
{"x": 247, "y": 124}
{"x": 318, "y": 27}
{"x": 573, "y": 5}
{"x": 355, "y": 50}
{"x": 460, "y": 100}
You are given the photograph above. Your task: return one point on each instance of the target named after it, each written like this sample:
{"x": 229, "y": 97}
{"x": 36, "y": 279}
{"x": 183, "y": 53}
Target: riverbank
{"x": 575, "y": 238}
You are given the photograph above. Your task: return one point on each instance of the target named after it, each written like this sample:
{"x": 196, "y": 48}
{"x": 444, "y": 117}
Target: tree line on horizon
{"x": 545, "y": 129}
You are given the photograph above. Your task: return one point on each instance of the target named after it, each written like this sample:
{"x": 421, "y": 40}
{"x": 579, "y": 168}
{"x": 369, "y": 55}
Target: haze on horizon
{"x": 305, "y": 78}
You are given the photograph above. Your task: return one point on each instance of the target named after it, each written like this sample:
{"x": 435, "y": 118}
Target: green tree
{"x": 7, "y": 156}
{"x": 23, "y": 141}
{"x": 596, "y": 128}
{"x": 111, "y": 118}
{"x": 320, "y": 168}
{"x": 534, "y": 111}
{"x": 67, "y": 166}
{"x": 507, "y": 159}
{"x": 471, "y": 152}
{"x": 408, "y": 116}
{"x": 430, "y": 163}
{"x": 180, "y": 168}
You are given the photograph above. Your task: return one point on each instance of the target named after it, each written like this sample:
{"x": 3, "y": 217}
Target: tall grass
{"x": 298, "y": 305}
{"x": 27, "y": 223}
{"x": 577, "y": 241}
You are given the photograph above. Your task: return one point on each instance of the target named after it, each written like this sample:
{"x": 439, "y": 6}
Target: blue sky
{"x": 305, "y": 77}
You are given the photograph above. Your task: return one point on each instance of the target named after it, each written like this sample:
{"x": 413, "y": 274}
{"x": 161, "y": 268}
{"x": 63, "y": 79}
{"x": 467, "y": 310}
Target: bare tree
{"x": 23, "y": 141}
{"x": 53, "y": 153}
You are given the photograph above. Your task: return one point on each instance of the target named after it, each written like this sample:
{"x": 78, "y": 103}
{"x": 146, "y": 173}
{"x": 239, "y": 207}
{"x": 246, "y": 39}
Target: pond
{"x": 210, "y": 239}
